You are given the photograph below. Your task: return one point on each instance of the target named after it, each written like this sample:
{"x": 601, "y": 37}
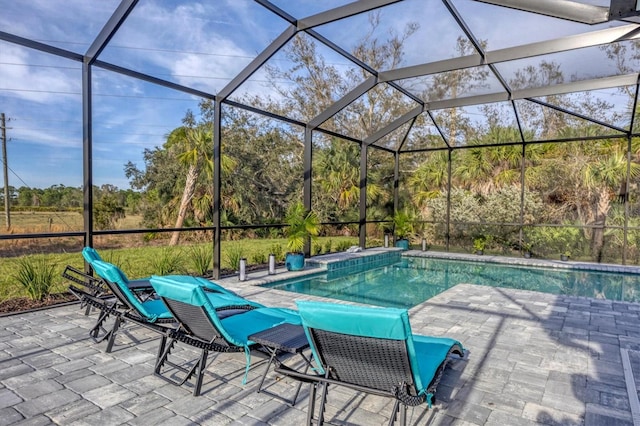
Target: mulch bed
{"x": 21, "y": 304}
{"x": 24, "y": 303}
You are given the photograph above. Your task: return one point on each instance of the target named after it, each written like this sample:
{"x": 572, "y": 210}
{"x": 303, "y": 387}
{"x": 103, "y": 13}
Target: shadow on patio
{"x": 533, "y": 359}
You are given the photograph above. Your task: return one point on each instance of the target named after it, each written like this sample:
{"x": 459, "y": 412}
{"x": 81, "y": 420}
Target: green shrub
{"x": 200, "y": 258}
{"x": 258, "y": 258}
{"x": 317, "y": 249}
{"x": 328, "y": 246}
{"x": 36, "y": 275}
{"x": 169, "y": 261}
{"x": 343, "y": 245}
{"x": 278, "y": 251}
{"x": 233, "y": 255}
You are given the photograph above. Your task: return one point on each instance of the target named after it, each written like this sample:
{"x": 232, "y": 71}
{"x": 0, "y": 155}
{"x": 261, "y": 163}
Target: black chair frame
{"x": 344, "y": 358}
{"x": 95, "y": 286}
{"x": 199, "y": 332}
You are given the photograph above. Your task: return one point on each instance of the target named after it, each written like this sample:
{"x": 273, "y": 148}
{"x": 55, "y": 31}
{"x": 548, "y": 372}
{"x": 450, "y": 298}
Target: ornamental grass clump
{"x": 168, "y": 262}
{"x": 36, "y": 275}
{"x": 233, "y": 254}
{"x": 200, "y": 257}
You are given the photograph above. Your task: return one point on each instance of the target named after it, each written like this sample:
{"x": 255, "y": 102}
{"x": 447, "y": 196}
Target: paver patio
{"x": 533, "y": 358}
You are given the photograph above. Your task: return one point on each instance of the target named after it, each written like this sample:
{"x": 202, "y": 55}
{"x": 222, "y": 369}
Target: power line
{"x": 3, "y": 135}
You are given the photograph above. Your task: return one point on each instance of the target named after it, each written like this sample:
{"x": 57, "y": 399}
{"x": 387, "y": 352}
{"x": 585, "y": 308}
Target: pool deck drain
{"x": 533, "y": 359}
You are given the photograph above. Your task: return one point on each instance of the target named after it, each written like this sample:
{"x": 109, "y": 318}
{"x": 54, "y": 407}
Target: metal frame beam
{"x": 562, "y": 9}
{"x": 620, "y": 9}
{"x": 563, "y": 44}
{"x": 362, "y": 230}
{"x": 257, "y": 62}
{"x": 406, "y": 135}
{"x": 87, "y": 154}
{"x": 150, "y": 79}
{"x": 578, "y": 115}
{"x": 361, "y": 64}
{"x": 342, "y": 12}
{"x": 307, "y": 166}
{"x": 373, "y": 138}
{"x": 277, "y": 11}
{"x": 217, "y": 184}
{"x": 31, "y": 44}
{"x": 557, "y": 89}
{"x": 338, "y": 105}
{"x": 108, "y": 31}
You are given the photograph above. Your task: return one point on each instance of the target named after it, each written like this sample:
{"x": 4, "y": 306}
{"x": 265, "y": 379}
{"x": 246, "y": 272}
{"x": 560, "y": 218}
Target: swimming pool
{"x": 413, "y": 280}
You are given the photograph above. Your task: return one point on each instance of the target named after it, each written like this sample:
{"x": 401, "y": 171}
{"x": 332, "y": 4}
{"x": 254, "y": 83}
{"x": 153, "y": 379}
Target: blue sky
{"x": 202, "y": 44}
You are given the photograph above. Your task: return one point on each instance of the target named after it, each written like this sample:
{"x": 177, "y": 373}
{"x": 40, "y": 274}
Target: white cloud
{"x": 35, "y": 77}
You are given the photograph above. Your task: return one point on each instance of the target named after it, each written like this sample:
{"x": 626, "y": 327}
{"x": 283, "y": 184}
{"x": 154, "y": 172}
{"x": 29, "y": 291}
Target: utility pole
{"x": 3, "y": 135}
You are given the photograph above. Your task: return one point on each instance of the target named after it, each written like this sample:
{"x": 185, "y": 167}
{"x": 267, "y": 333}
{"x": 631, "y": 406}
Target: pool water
{"x": 413, "y": 280}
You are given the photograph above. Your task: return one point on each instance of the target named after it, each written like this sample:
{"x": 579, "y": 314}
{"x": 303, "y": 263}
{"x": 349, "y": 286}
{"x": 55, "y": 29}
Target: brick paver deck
{"x": 532, "y": 359}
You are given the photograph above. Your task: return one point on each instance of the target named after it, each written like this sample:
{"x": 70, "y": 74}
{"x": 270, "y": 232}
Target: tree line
{"x": 581, "y": 182}
{"x": 110, "y": 203}
{"x": 572, "y": 183}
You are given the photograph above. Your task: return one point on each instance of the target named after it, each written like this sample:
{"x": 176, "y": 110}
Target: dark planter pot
{"x": 479, "y": 252}
{"x": 294, "y": 261}
{"x": 564, "y": 257}
{"x": 527, "y": 255}
{"x": 403, "y": 244}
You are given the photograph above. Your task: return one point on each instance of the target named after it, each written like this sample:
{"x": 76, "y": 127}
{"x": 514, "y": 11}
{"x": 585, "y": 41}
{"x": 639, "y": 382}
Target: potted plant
{"x": 302, "y": 225}
{"x": 526, "y": 249}
{"x": 403, "y": 228}
{"x": 479, "y": 243}
{"x": 565, "y": 256}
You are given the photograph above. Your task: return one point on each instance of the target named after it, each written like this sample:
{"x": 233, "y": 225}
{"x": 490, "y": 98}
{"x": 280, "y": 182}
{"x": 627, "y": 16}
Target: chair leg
{"x": 312, "y": 402}
{"x": 163, "y": 353}
{"x": 113, "y": 332}
{"x": 323, "y": 401}
{"x": 163, "y": 342}
{"x": 201, "y": 368}
{"x": 394, "y": 412}
{"x": 403, "y": 414}
{"x": 295, "y": 396}
{"x": 266, "y": 371}
{"x": 95, "y": 331}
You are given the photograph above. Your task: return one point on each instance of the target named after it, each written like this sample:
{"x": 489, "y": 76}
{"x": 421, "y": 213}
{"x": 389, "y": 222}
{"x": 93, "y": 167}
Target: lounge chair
{"x": 371, "y": 350}
{"x": 91, "y": 285}
{"x": 145, "y": 310}
{"x": 94, "y": 288}
{"x": 201, "y": 326}
{"x": 139, "y": 285}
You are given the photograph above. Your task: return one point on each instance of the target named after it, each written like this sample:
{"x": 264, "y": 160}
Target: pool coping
{"x": 322, "y": 264}
{"x": 521, "y": 261}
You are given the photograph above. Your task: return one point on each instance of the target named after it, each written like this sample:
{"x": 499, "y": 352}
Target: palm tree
{"x": 339, "y": 177}
{"x": 602, "y": 177}
{"x": 196, "y": 144}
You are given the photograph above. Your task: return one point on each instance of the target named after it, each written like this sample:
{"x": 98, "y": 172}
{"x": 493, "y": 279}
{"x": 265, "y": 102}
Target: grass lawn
{"x": 147, "y": 260}
{"x": 33, "y": 222}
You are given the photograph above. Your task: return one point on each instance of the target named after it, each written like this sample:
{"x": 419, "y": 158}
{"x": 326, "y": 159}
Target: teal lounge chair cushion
{"x": 425, "y": 353}
{"x": 150, "y": 309}
{"x": 430, "y": 352}
{"x": 236, "y": 329}
{"x": 169, "y": 281}
{"x": 90, "y": 255}
{"x": 183, "y": 289}
{"x": 387, "y": 323}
